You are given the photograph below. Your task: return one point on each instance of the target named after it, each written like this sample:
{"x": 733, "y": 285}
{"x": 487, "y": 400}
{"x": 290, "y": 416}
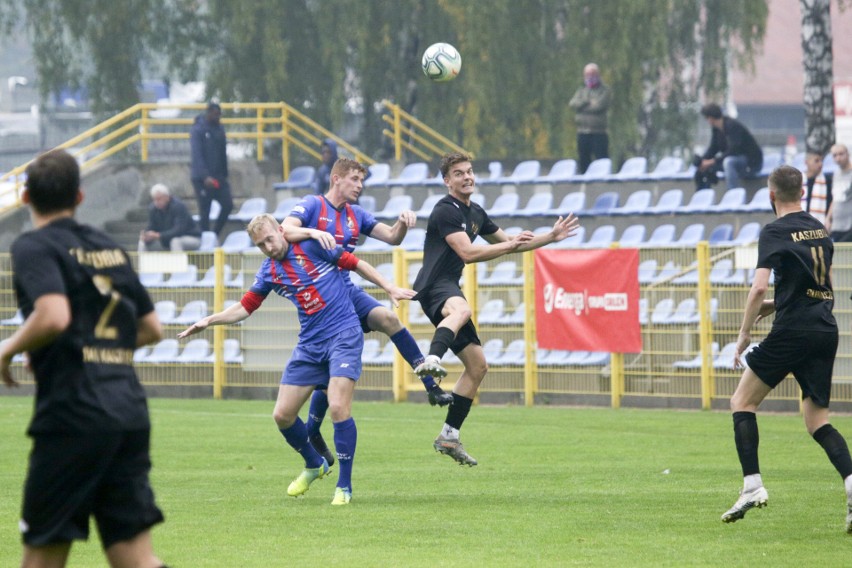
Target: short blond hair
{"x": 259, "y": 221}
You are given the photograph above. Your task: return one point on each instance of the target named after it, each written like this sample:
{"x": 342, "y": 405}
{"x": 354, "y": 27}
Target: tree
{"x": 818, "y": 61}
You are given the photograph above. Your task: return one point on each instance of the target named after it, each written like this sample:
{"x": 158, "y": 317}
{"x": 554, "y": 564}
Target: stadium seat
{"x": 367, "y": 203}
{"x": 416, "y": 316}
{"x": 479, "y": 199}
{"x": 560, "y": 172}
{"x": 231, "y": 352}
{"x": 414, "y": 173}
{"x": 604, "y": 204}
{"x": 191, "y": 312}
{"x": 668, "y": 203}
{"x": 748, "y": 233}
{"x": 184, "y": 279}
{"x": 632, "y": 168}
{"x": 539, "y": 204}
{"x": 668, "y": 272}
{"x": 636, "y": 203}
{"x": 572, "y": 203}
{"x": 208, "y": 241}
{"x": 553, "y": 358}
{"x": 688, "y": 276}
{"x": 599, "y": 169}
{"x": 515, "y": 354}
{"x": 662, "y": 311}
{"x": 504, "y": 274}
{"x": 524, "y": 172}
{"x": 284, "y": 207}
{"x": 16, "y": 319}
{"x": 491, "y": 312}
{"x": 632, "y": 236}
{"x": 695, "y": 363}
{"x": 394, "y": 206}
{"x": 643, "y": 311}
{"x": 238, "y": 241}
{"x": 413, "y": 240}
{"x": 163, "y": 352}
{"x": 721, "y": 234}
{"x": 771, "y": 160}
{"x": 691, "y": 235}
{"x": 725, "y": 358}
{"x": 141, "y": 354}
{"x": 760, "y": 201}
{"x": 385, "y": 356}
{"x": 504, "y": 206}
{"x": 379, "y": 175}
{"x": 370, "y": 350}
{"x": 602, "y": 237}
{"x": 596, "y": 358}
{"x": 435, "y": 181}
{"x": 575, "y": 358}
{"x": 249, "y": 209}
{"x": 667, "y": 167}
{"x": 151, "y": 279}
{"x": 662, "y": 235}
{"x": 195, "y": 351}
{"x": 495, "y": 172}
{"x": 301, "y": 177}
{"x": 166, "y": 311}
{"x": 209, "y": 278}
{"x": 684, "y": 313}
{"x": 701, "y": 202}
{"x": 518, "y": 317}
{"x": 215, "y": 209}
{"x": 428, "y": 204}
{"x": 647, "y": 271}
{"x": 732, "y": 200}
{"x": 492, "y": 349}
{"x": 721, "y": 271}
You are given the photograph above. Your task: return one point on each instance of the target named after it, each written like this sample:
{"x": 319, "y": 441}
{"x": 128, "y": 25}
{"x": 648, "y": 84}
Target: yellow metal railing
{"x": 410, "y": 134}
{"x": 146, "y": 122}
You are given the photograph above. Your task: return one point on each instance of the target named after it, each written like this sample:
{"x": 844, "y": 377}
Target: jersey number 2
{"x": 104, "y": 285}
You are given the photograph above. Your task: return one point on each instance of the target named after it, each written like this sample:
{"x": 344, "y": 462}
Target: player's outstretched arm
{"x": 563, "y": 228}
{"x": 394, "y": 235}
{"x": 294, "y": 232}
{"x": 368, "y": 272}
{"x": 501, "y": 244}
{"x": 232, "y": 314}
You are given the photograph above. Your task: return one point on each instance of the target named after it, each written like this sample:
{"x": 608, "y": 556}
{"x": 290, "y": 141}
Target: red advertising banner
{"x": 588, "y": 300}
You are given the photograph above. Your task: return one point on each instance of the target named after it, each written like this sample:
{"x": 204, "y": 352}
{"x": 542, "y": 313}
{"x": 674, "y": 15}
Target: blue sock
{"x": 316, "y": 412}
{"x": 407, "y": 347}
{"x": 297, "y": 436}
{"x": 345, "y": 439}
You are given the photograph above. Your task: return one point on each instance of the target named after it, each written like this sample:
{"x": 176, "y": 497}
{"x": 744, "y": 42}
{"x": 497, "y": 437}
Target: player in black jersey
{"x": 86, "y": 312}
{"x": 454, "y": 224}
{"x": 802, "y": 341}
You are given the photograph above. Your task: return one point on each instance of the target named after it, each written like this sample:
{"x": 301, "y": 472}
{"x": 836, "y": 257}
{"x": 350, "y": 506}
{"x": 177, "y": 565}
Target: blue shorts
{"x": 364, "y": 303}
{"x": 314, "y": 363}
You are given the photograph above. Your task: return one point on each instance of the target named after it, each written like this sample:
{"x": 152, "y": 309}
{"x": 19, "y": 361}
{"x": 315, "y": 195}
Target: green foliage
{"x": 337, "y": 59}
{"x": 555, "y": 487}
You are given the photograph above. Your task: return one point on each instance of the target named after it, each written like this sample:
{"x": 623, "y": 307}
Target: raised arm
{"x": 394, "y": 235}
{"x": 232, "y": 314}
{"x": 364, "y": 269}
{"x": 294, "y": 232}
{"x": 501, "y": 244}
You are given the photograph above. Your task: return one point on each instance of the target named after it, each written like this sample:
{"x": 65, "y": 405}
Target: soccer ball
{"x": 441, "y": 62}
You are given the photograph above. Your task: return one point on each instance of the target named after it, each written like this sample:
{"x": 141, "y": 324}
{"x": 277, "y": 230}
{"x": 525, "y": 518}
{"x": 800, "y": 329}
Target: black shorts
{"x": 73, "y": 477}
{"x": 432, "y": 301}
{"x": 809, "y": 355}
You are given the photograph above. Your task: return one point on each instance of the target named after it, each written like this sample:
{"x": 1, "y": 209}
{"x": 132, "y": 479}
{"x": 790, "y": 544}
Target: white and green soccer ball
{"x": 441, "y": 62}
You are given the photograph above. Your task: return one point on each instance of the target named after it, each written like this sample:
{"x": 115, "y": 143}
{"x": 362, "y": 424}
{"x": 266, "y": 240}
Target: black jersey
{"x": 440, "y": 261}
{"x": 799, "y": 251}
{"x": 84, "y": 379}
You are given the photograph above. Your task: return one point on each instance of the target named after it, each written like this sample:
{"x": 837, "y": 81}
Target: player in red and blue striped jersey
{"x": 330, "y": 340}
{"x": 342, "y": 221}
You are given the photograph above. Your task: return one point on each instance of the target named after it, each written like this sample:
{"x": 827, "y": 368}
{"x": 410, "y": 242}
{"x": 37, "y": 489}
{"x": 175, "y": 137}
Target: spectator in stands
{"x": 169, "y": 224}
{"x": 816, "y": 199}
{"x": 732, "y": 150}
{"x": 803, "y": 339}
{"x": 839, "y": 218}
{"x": 590, "y": 104}
{"x": 329, "y": 156}
{"x": 209, "y": 167}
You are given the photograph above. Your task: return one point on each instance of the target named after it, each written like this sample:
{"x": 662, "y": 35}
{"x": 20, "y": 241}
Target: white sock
{"x": 848, "y": 483}
{"x": 752, "y": 482}
{"x": 449, "y": 432}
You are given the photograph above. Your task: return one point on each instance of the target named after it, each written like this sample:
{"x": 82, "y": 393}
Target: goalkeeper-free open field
{"x": 554, "y": 487}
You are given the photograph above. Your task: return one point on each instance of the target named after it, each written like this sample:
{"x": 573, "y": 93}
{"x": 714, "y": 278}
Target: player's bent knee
{"x": 385, "y": 321}
{"x": 283, "y": 418}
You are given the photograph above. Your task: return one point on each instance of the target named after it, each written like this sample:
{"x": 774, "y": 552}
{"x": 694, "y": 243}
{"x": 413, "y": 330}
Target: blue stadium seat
{"x": 249, "y": 209}
{"x": 394, "y": 206}
{"x": 414, "y": 173}
{"x": 759, "y": 202}
{"x": 301, "y": 177}
{"x": 604, "y": 204}
{"x": 284, "y": 207}
{"x": 701, "y": 202}
{"x": 691, "y": 235}
{"x": 632, "y": 168}
{"x": 721, "y": 234}
{"x": 632, "y": 236}
{"x": 505, "y": 205}
{"x": 560, "y": 172}
{"x": 602, "y": 237}
{"x": 524, "y": 172}
{"x": 539, "y": 204}
{"x": 599, "y": 169}
{"x": 571, "y": 203}
{"x": 747, "y": 234}
{"x": 669, "y": 202}
{"x": 636, "y": 203}
{"x": 379, "y": 174}
{"x": 732, "y": 200}
{"x": 662, "y": 235}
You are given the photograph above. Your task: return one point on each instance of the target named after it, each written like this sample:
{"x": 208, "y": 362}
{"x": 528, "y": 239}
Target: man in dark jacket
{"x": 329, "y": 156}
{"x": 209, "y": 167}
{"x": 590, "y": 104}
{"x": 169, "y": 224}
{"x": 732, "y": 149}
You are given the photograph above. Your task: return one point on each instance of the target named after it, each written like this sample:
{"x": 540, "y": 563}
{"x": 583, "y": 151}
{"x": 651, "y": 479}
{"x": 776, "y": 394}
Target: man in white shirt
{"x": 839, "y": 218}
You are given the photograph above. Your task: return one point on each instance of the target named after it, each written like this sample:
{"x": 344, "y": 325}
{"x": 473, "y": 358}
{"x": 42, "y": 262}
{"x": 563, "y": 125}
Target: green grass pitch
{"x": 555, "y": 487}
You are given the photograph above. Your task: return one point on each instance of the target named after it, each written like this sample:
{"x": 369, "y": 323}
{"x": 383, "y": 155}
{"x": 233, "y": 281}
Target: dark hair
{"x": 787, "y": 183}
{"x": 213, "y": 105}
{"x": 344, "y": 165}
{"x": 711, "y": 110}
{"x": 53, "y": 182}
{"x": 450, "y": 160}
